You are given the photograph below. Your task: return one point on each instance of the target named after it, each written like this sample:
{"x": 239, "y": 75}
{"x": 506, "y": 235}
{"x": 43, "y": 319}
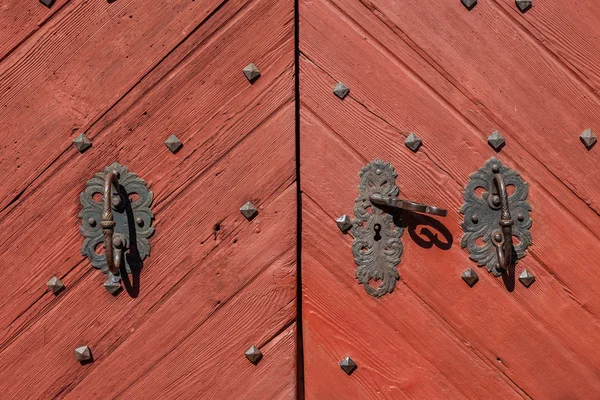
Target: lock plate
{"x": 482, "y": 216}
{"x": 377, "y": 247}
{"x": 131, "y": 213}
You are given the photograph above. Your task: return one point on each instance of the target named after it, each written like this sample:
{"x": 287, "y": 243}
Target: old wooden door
{"x": 452, "y": 77}
{"x": 128, "y": 75}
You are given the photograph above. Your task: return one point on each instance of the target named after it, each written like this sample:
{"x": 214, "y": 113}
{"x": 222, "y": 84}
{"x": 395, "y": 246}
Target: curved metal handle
{"x": 502, "y": 239}
{"x": 108, "y": 226}
{"x": 393, "y": 202}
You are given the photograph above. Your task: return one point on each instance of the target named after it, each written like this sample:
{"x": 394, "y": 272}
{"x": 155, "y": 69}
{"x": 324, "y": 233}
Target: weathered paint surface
{"x": 129, "y": 74}
{"x": 452, "y": 77}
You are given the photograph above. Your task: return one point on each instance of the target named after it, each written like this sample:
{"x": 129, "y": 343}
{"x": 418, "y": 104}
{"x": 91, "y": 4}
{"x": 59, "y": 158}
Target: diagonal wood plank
{"x": 187, "y": 237}
{"x": 517, "y": 328}
{"x": 567, "y": 30}
{"x": 382, "y": 336}
{"x": 73, "y": 69}
{"x": 525, "y": 91}
{"x": 19, "y": 21}
{"x": 209, "y": 123}
{"x": 447, "y": 139}
{"x": 235, "y": 293}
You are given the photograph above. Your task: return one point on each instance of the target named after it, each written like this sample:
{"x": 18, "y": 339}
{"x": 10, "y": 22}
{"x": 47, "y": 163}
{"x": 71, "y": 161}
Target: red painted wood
{"x": 436, "y": 70}
{"x": 206, "y": 294}
{"x": 20, "y": 20}
{"x": 130, "y": 73}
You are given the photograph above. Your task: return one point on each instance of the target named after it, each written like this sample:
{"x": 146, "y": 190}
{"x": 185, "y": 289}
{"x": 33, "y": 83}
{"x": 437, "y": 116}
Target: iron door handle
{"x": 502, "y": 239}
{"x": 124, "y": 230}
{"x": 108, "y": 225}
{"x": 396, "y": 203}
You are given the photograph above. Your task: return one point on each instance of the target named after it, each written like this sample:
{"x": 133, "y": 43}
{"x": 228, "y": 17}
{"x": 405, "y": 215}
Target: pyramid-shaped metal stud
{"x": 47, "y": 3}
{"x": 470, "y": 277}
{"x": 588, "y": 138}
{"x": 523, "y": 5}
{"x": 251, "y": 72}
{"x": 253, "y": 354}
{"x": 469, "y": 4}
{"x": 344, "y": 223}
{"x": 173, "y": 143}
{"x": 348, "y": 365}
{"x": 82, "y": 143}
{"x": 413, "y": 142}
{"x": 248, "y": 210}
{"x": 341, "y": 90}
{"x": 496, "y": 140}
{"x": 55, "y": 285}
{"x": 83, "y": 354}
{"x": 526, "y": 278}
{"x": 113, "y": 283}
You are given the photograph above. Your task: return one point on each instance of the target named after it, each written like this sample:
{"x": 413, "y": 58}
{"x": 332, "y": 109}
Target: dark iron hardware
{"x": 489, "y": 217}
{"x": 253, "y": 354}
{"x": 348, "y": 365}
{"x": 122, "y": 223}
{"x": 83, "y": 354}
{"x": 108, "y": 224}
{"x": 392, "y": 202}
{"x": 502, "y": 239}
{"x": 376, "y": 227}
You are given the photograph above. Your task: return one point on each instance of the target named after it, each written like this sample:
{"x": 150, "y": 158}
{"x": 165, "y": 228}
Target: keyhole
{"x": 377, "y": 228}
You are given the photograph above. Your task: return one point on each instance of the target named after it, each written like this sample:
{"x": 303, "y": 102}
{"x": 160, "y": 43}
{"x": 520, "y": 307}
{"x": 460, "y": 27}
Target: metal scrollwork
{"x": 494, "y": 218}
{"x": 377, "y": 246}
{"x": 132, "y": 218}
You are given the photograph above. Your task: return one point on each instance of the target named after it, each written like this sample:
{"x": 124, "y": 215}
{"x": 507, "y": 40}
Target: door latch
{"x": 493, "y": 238}
{"x": 377, "y": 227}
{"x": 116, "y": 217}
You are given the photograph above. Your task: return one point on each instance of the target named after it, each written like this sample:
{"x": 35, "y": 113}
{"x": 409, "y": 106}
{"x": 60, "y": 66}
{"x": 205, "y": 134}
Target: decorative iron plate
{"x": 377, "y": 246}
{"x": 133, "y": 218}
{"x": 482, "y": 217}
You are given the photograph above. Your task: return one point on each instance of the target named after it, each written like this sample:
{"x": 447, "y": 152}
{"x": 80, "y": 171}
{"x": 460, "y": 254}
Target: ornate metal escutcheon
{"x": 489, "y": 225}
{"x": 116, "y": 213}
{"x": 377, "y": 227}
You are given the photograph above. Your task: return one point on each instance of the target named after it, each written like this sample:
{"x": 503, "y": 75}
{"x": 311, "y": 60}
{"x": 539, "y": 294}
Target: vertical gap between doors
{"x": 299, "y": 337}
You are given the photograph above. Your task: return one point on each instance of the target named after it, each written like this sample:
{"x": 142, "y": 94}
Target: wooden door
{"x": 452, "y": 77}
{"x": 128, "y": 75}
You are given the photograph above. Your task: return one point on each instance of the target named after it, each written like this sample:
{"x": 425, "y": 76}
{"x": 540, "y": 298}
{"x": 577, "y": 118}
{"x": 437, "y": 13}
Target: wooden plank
{"x": 453, "y": 144}
{"x": 242, "y": 293}
{"x": 257, "y": 314}
{"x": 537, "y": 331}
{"x": 567, "y": 30}
{"x": 402, "y": 350}
{"x": 73, "y": 69}
{"x": 41, "y": 362}
{"x": 558, "y": 115}
{"x": 18, "y": 21}
{"x": 209, "y": 123}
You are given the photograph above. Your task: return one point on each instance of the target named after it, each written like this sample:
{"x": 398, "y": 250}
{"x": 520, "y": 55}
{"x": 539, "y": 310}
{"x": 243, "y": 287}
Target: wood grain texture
{"x": 454, "y": 145}
{"x": 238, "y": 296}
{"x": 522, "y": 329}
{"x": 403, "y": 60}
{"x": 402, "y": 350}
{"x": 68, "y": 73}
{"x": 567, "y": 30}
{"x": 238, "y": 146}
{"x": 19, "y": 20}
{"x": 396, "y": 88}
{"x": 208, "y": 122}
{"x": 510, "y": 78}
{"x": 186, "y": 237}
